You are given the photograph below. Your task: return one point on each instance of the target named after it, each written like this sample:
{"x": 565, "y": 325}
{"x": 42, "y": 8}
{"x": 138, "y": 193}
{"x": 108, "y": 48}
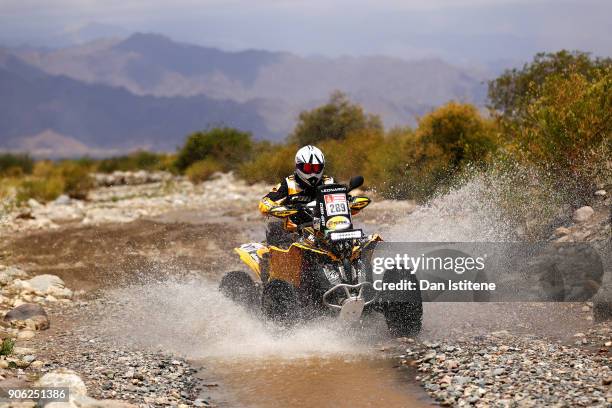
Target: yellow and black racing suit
{"x": 292, "y": 188}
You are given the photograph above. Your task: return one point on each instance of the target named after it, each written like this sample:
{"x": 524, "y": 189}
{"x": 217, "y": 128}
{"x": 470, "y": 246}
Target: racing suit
{"x": 281, "y": 232}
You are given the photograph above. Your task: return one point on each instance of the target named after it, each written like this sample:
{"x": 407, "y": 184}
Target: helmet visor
{"x": 309, "y": 168}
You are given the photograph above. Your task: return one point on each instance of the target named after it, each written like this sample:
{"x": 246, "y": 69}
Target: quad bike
{"x": 326, "y": 270}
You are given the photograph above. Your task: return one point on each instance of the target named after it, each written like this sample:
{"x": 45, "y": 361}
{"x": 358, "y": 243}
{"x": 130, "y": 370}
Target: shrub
{"x": 202, "y": 170}
{"x": 513, "y": 92}
{"x": 49, "y": 180}
{"x": 76, "y": 178}
{"x": 270, "y": 166}
{"x": 334, "y": 120}
{"x": 351, "y": 156}
{"x": 229, "y": 147}
{"x": 14, "y": 165}
{"x": 7, "y": 346}
{"x": 40, "y": 189}
{"x": 568, "y": 128}
{"x": 139, "y": 160}
{"x": 426, "y": 160}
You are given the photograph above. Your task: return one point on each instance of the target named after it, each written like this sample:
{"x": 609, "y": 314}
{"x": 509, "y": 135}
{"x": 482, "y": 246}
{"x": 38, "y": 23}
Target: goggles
{"x": 310, "y": 168}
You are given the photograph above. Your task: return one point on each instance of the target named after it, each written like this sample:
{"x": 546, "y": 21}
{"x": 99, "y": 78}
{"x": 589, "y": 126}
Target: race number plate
{"x": 336, "y": 204}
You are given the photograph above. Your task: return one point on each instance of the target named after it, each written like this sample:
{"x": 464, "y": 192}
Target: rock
{"x": 83, "y": 401}
{"x": 33, "y": 204}
{"x": 9, "y": 274}
{"x": 29, "y": 315}
{"x": 37, "y": 364}
{"x": 62, "y": 200}
{"x": 600, "y": 193}
{"x": 602, "y": 301}
{"x": 583, "y": 214}
{"x": 43, "y": 283}
{"x": 63, "y": 377}
{"x": 22, "y": 350}
{"x": 25, "y": 335}
{"x": 562, "y": 231}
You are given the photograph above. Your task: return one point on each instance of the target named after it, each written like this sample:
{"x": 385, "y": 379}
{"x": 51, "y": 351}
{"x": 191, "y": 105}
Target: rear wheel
{"x": 280, "y": 302}
{"x": 239, "y": 287}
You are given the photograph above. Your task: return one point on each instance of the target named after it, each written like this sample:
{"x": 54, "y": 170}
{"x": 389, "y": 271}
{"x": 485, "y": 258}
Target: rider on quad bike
{"x": 315, "y": 262}
{"x": 301, "y": 186}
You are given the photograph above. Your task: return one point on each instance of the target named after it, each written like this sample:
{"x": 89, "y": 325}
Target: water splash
{"x": 193, "y": 319}
{"x": 500, "y": 205}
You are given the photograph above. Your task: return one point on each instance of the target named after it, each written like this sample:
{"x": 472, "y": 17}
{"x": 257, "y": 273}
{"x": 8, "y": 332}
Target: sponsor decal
{"x": 338, "y": 223}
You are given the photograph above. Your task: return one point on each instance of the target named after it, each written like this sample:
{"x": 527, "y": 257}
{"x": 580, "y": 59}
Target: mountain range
{"x": 148, "y": 91}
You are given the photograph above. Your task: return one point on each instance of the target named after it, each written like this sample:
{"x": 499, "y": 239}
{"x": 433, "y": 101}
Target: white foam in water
{"x": 195, "y": 320}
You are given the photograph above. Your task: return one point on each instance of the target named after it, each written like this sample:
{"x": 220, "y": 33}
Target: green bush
{"x": 202, "y": 170}
{"x": 271, "y": 165}
{"x": 50, "y": 180}
{"x": 334, "y": 120}
{"x": 76, "y": 178}
{"x": 14, "y": 165}
{"x": 514, "y": 91}
{"x": 229, "y": 147}
{"x": 421, "y": 162}
{"x": 140, "y": 160}
{"x": 6, "y": 349}
{"x": 40, "y": 189}
{"x": 567, "y": 130}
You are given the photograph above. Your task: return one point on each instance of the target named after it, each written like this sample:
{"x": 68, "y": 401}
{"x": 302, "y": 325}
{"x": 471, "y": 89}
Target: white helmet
{"x": 309, "y": 164}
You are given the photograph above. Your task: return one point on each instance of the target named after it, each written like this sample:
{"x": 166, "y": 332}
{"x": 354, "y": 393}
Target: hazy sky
{"x": 459, "y": 30}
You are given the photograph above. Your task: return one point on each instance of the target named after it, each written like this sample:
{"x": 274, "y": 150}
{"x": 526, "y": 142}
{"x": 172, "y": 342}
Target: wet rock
{"x": 583, "y": 214}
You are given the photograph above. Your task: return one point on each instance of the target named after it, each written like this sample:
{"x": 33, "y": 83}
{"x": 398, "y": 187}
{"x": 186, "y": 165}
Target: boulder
{"x": 602, "y": 301}
{"x": 45, "y": 283}
{"x": 9, "y": 274}
{"x": 66, "y": 378}
{"x": 583, "y": 214}
{"x": 63, "y": 378}
{"x": 29, "y": 315}
{"x": 62, "y": 200}
{"x": 32, "y": 203}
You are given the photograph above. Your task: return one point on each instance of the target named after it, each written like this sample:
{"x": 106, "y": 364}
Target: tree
{"x": 445, "y": 141}
{"x": 516, "y": 89}
{"x": 568, "y": 128}
{"x": 227, "y": 146}
{"x": 334, "y": 120}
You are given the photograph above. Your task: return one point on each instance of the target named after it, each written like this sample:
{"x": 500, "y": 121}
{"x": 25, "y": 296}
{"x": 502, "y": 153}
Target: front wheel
{"x": 280, "y": 302}
{"x": 403, "y": 310}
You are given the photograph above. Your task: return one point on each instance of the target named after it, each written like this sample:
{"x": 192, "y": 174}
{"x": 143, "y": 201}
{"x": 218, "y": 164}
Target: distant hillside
{"x": 42, "y": 111}
{"x": 283, "y": 84}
